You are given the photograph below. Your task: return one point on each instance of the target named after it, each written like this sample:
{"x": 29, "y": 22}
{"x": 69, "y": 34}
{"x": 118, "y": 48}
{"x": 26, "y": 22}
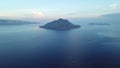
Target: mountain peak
{"x": 60, "y": 24}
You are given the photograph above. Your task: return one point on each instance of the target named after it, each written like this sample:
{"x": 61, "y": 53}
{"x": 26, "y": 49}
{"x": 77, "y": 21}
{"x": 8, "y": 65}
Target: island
{"x": 98, "y": 24}
{"x": 60, "y": 24}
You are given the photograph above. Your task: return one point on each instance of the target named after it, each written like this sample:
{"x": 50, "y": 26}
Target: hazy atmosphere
{"x": 45, "y": 9}
{"x": 59, "y": 34}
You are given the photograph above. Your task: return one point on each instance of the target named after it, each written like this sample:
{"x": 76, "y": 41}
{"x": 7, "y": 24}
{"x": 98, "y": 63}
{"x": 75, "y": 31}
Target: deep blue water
{"x": 91, "y": 46}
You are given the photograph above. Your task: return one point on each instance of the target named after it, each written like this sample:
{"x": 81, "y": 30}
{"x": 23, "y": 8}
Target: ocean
{"x": 91, "y": 46}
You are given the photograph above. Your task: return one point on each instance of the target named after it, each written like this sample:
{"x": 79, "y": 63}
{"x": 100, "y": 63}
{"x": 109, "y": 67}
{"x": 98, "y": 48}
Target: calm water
{"x": 91, "y": 46}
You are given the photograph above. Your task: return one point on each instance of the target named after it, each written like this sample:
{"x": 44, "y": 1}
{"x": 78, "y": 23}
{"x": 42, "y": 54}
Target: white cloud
{"x": 114, "y": 6}
{"x": 37, "y": 14}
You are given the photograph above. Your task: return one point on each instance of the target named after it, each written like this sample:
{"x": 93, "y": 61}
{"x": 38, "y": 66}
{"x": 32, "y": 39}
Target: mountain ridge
{"x": 14, "y": 22}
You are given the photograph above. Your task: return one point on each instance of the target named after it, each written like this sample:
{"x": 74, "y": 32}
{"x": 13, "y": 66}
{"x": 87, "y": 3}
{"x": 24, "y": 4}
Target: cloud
{"x": 37, "y": 14}
{"x": 114, "y": 6}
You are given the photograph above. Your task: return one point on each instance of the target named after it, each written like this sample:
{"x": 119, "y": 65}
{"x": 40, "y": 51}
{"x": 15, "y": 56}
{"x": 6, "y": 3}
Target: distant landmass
{"x": 113, "y": 18}
{"x": 108, "y": 19}
{"x": 60, "y": 24}
{"x": 14, "y": 22}
{"x": 98, "y": 24}
{"x": 114, "y": 15}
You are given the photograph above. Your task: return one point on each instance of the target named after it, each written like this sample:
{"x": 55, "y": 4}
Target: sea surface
{"x": 91, "y": 46}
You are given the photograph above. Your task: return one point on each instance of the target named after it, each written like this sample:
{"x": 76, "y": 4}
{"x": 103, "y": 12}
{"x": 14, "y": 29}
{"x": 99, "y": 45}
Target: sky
{"x": 39, "y": 9}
